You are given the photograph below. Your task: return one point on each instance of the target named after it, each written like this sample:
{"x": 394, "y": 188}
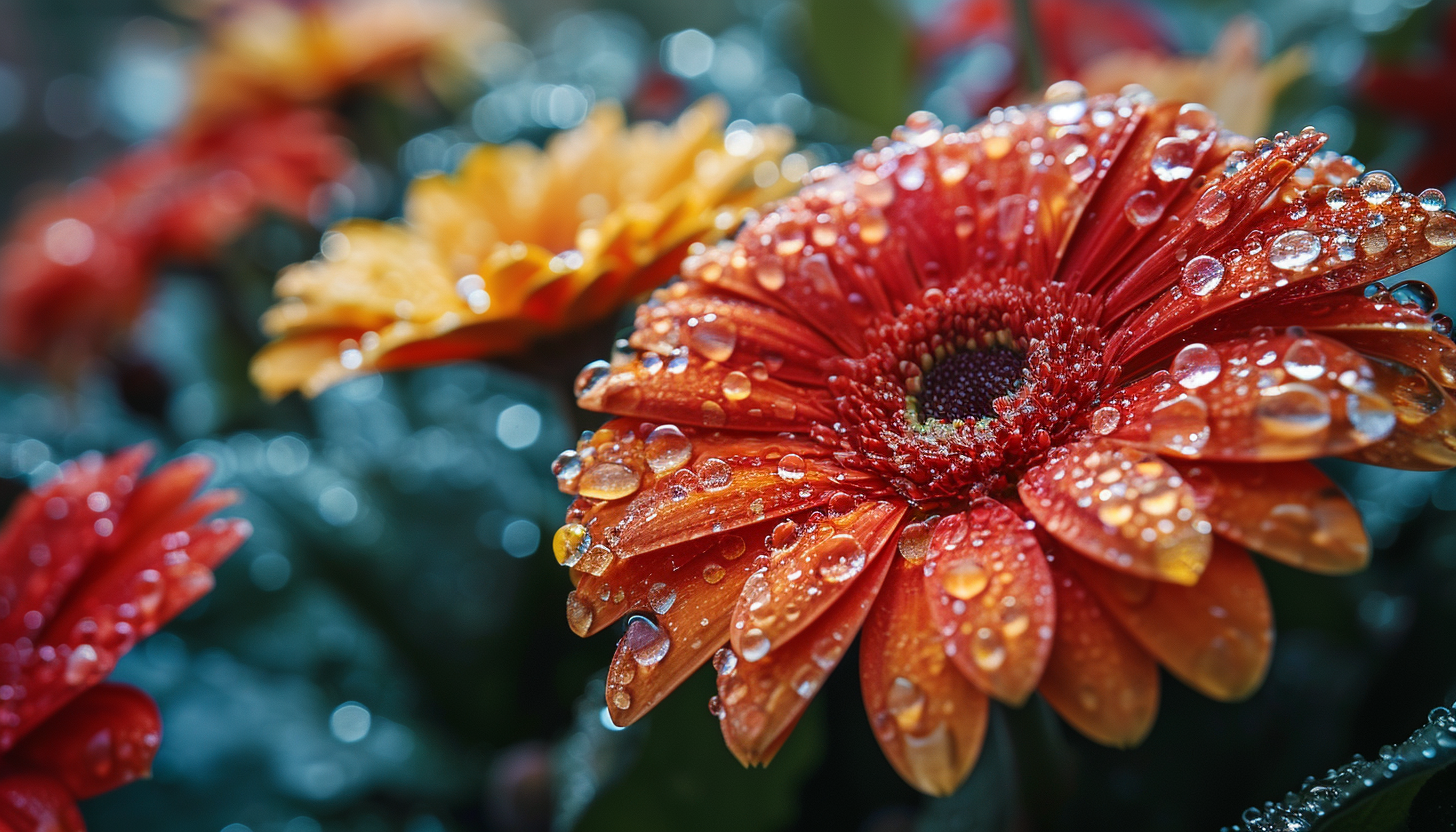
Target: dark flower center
{"x": 962, "y": 387}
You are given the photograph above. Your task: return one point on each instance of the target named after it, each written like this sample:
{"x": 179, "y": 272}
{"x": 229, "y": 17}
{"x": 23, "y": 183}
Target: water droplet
{"x": 609, "y": 481}
{"x": 1441, "y": 230}
{"x": 714, "y": 474}
{"x": 1305, "y": 360}
{"x": 1414, "y": 293}
{"x": 570, "y": 543}
{"x": 770, "y": 275}
{"x": 1377, "y": 186}
{"x": 1202, "y": 275}
{"x": 1294, "y": 411}
{"x": 964, "y": 579}
{"x": 667, "y": 449}
{"x": 1173, "y": 159}
{"x": 1432, "y": 199}
{"x": 81, "y": 665}
{"x": 921, "y": 129}
{"x": 906, "y": 703}
{"x": 1212, "y": 207}
{"x": 1335, "y": 198}
{"x": 873, "y": 227}
{"x": 1105, "y": 420}
{"x": 910, "y": 177}
{"x": 1180, "y": 424}
{"x": 713, "y": 573}
{"x": 578, "y": 615}
{"x": 754, "y": 644}
{"x": 840, "y": 558}
{"x": 714, "y": 339}
{"x": 567, "y": 469}
{"x": 1066, "y": 102}
{"x": 590, "y": 376}
{"x": 914, "y": 545}
{"x": 792, "y": 468}
{"x": 988, "y": 649}
{"x": 645, "y": 642}
{"x": 1370, "y": 416}
{"x": 1293, "y": 249}
{"x": 1196, "y": 365}
{"x": 713, "y": 415}
{"x": 1193, "y": 120}
{"x": 736, "y": 386}
{"x": 660, "y": 597}
{"x": 1143, "y": 208}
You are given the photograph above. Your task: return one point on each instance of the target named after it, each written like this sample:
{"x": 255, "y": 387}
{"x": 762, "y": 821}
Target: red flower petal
{"x": 929, "y": 719}
{"x": 761, "y": 701}
{"x": 1216, "y": 635}
{"x": 1098, "y": 678}
{"x": 37, "y": 803}
{"x": 687, "y": 604}
{"x": 104, "y": 738}
{"x": 1288, "y": 511}
{"x": 1121, "y": 506}
{"x": 807, "y": 576}
{"x": 991, "y": 598}
{"x": 1424, "y": 438}
{"x": 1265, "y": 398}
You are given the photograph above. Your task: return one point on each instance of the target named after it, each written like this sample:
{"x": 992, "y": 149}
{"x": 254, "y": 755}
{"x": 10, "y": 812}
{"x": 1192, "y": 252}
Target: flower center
{"x": 962, "y": 387}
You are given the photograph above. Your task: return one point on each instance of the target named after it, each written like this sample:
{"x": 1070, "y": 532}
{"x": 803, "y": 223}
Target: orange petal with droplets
{"x": 1121, "y": 506}
{"x": 929, "y": 719}
{"x": 1101, "y": 681}
{"x": 1424, "y": 436}
{"x": 1216, "y": 635}
{"x": 759, "y": 702}
{"x": 990, "y": 595}
{"x": 1274, "y": 398}
{"x": 1289, "y": 511}
{"x": 807, "y": 576}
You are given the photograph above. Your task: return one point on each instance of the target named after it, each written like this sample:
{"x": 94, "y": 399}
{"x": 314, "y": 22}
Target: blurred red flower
{"x": 78, "y": 266}
{"x": 91, "y": 563}
{"x": 1421, "y": 91}
{"x": 1011, "y": 403}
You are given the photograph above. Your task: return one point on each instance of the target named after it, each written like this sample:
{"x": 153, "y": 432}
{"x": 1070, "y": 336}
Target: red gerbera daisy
{"x": 1010, "y": 402}
{"x": 90, "y": 564}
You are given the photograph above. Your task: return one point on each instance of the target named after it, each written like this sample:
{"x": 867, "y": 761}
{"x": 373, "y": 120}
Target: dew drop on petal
{"x": 906, "y": 703}
{"x": 1377, "y": 186}
{"x": 1432, "y": 199}
{"x": 578, "y": 615}
{"x": 1202, "y": 275}
{"x": 1173, "y": 159}
{"x": 645, "y": 641}
{"x": 667, "y": 449}
{"x": 1305, "y": 360}
{"x": 1066, "y": 102}
{"x": 714, "y": 474}
{"x": 754, "y": 644}
{"x": 840, "y": 558}
{"x": 570, "y": 543}
{"x": 1293, "y": 249}
{"x": 661, "y": 598}
{"x": 1293, "y": 411}
{"x": 736, "y": 386}
{"x": 1335, "y": 198}
{"x": 1441, "y": 230}
{"x": 1415, "y": 294}
{"x": 792, "y": 468}
{"x": 914, "y": 545}
{"x": 1180, "y": 424}
{"x": 713, "y": 415}
{"x": 713, "y": 573}
{"x": 921, "y": 129}
{"x": 1371, "y": 416}
{"x": 770, "y": 275}
{"x": 714, "y": 339}
{"x": 609, "y": 481}
{"x": 965, "y": 579}
{"x": 1212, "y": 208}
{"x": 590, "y": 376}
{"x": 1143, "y": 208}
{"x": 1196, "y": 365}
{"x": 1105, "y": 420}
{"x": 988, "y": 649}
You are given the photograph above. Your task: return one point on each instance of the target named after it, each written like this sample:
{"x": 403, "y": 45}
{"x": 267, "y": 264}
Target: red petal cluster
{"x": 1196, "y": 316}
{"x": 90, "y": 564}
{"x": 78, "y": 266}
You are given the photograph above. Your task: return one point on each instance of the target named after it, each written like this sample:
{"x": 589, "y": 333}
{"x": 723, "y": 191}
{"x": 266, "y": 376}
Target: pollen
{"x": 962, "y": 387}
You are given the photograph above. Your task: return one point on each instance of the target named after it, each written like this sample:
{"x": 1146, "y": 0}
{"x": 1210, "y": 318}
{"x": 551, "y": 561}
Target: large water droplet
{"x": 667, "y": 449}
{"x": 754, "y": 644}
{"x": 578, "y": 615}
{"x": 964, "y": 579}
{"x": 1180, "y": 424}
{"x": 914, "y": 545}
{"x": 1293, "y": 411}
{"x": 792, "y": 468}
{"x": 840, "y": 558}
{"x": 1305, "y": 360}
{"x": 921, "y": 129}
{"x": 1202, "y": 275}
{"x": 570, "y": 543}
{"x": 1212, "y": 207}
{"x": 1066, "y": 102}
{"x": 609, "y": 481}
{"x": 736, "y": 386}
{"x": 906, "y": 703}
{"x": 1293, "y": 249}
{"x": 1414, "y": 293}
{"x": 645, "y": 641}
{"x": 1105, "y": 420}
{"x": 988, "y": 649}
{"x": 1441, "y": 230}
{"x": 714, "y": 474}
{"x": 1432, "y": 199}
{"x": 590, "y": 376}
{"x": 714, "y": 339}
{"x": 1196, "y": 365}
{"x": 1143, "y": 208}
{"x": 661, "y": 597}
{"x": 1377, "y": 186}
{"x": 1173, "y": 159}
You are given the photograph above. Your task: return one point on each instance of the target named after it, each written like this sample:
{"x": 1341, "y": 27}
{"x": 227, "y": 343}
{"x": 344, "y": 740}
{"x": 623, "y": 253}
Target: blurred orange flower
{"x": 1012, "y": 404}
{"x": 262, "y": 54}
{"x": 91, "y": 563}
{"x": 78, "y": 266}
{"x": 519, "y": 243}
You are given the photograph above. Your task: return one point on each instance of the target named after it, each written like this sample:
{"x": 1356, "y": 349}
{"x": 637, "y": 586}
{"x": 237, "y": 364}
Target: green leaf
{"x": 861, "y": 58}
{"x": 1410, "y": 787}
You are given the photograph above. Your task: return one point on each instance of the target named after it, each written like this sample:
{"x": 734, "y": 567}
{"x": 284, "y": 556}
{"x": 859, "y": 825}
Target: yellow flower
{"x": 1231, "y": 80}
{"x": 275, "y": 52}
{"x": 519, "y": 243}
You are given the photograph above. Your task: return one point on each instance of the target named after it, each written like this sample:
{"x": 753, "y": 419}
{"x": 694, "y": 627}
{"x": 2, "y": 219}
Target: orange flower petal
{"x": 1264, "y": 398}
{"x": 1100, "y": 680}
{"x": 1288, "y": 511}
{"x": 928, "y": 718}
{"x": 807, "y": 576}
{"x": 1216, "y": 635}
{"x": 759, "y": 702}
{"x": 104, "y": 738}
{"x": 1120, "y": 506}
{"x": 991, "y": 598}
{"x": 1424, "y": 438}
